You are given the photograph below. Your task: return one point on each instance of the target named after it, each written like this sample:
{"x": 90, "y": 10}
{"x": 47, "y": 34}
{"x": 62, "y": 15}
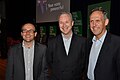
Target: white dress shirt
{"x": 28, "y": 60}
{"x": 67, "y": 43}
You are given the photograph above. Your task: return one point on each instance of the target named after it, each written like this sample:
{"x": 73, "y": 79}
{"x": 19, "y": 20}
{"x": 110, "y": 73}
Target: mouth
{"x": 28, "y": 36}
{"x": 95, "y": 28}
{"x": 65, "y": 28}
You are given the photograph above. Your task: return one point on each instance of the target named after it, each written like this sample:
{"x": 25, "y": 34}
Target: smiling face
{"x": 98, "y": 23}
{"x": 28, "y": 32}
{"x": 65, "y": 24}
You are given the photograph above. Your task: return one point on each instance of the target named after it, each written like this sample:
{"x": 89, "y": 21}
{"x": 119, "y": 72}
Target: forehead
{"x": 96, "y": 14}
{"x": 64, "y": 16}
{"x": 28, "y": 26}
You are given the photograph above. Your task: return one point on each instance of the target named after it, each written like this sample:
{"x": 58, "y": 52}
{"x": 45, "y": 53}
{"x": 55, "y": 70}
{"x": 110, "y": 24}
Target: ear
{"x": 35, "y": 34}
{"x": 72, "y": 23}
{"x": 21, "y": 33}
{"x": 106, "y": 22}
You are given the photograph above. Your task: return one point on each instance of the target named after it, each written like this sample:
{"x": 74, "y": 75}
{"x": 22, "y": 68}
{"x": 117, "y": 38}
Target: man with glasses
{"x": 26, "y": 61}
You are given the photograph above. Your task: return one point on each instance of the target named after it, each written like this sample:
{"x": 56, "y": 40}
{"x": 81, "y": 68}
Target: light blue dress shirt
{"x": 94, "y": 53}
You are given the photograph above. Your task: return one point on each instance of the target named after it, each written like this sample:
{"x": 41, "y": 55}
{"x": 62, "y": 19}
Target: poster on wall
{"x": 52, "y": 31}
{"x": 48, "y": 10}
{"x": 42, "y": 34}
{"x": 105, "y": 6}
{"x": 77, "y": 17}
{"x": 2, "y": 9}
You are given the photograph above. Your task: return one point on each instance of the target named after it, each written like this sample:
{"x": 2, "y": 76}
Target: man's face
{"x": 28, "y": 32}
{"x": 65, "y": 24}
{"x": 98, "y": 23}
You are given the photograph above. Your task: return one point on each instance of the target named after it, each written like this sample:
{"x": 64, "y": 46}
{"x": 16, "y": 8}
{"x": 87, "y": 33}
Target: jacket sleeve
{"x": 118, "y": 63}
{"x": 9, "y": 69}
{"x": 49, "y": 53}
{"x": 44, "y": 71}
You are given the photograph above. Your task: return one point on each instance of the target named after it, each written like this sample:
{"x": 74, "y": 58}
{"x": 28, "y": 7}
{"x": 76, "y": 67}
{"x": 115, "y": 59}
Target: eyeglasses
{"x": 30, "y": 31}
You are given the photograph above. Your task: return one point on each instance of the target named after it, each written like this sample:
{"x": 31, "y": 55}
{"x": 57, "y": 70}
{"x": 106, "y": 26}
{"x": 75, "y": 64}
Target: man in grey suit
{"x": 26, "y": 60}
{"x": 66, "y": 52}
{"x": 103, "y": 49}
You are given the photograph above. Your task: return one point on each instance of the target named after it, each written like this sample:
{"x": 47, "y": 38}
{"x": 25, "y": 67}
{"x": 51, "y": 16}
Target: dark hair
{"x": 29, "y": 23}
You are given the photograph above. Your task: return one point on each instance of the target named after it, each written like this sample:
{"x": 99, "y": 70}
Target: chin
{"x": 28, "y": 40}
{"x": 64, "y": 33}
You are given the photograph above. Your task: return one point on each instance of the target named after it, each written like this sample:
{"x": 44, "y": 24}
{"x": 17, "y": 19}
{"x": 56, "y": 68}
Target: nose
{"x": 64, "y": 25}
{"x": 28, "y": 32}
{"x": 94, "y": 23}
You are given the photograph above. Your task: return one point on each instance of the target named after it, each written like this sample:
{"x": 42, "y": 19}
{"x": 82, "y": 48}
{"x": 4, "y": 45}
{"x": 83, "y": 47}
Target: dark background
{"x": 18, "y": 12}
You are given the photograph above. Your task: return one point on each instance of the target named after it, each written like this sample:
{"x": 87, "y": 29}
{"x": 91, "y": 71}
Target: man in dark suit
{"x": 66, "y": 52}
{"x": 104, "y": 49}
{"x": 26, "y": 61}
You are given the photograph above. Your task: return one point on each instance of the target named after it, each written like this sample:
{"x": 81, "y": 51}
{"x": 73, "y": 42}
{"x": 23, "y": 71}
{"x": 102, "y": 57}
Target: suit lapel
{"x": 104, "y": 49}
{"x": 72, "y": 46}
{"x": 60, "y": 45}
{"x": 89, "y": 45}
{"x": 36, "y": 56}
{"x": 35, "y": 60}
{"x": 21, "y": 55}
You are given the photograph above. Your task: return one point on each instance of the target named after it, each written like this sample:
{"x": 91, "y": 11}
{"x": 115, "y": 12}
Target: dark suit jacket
{"x": 16, "y": 67}
{"x": 108, "y": 63}
{"x": 63, "y": 66}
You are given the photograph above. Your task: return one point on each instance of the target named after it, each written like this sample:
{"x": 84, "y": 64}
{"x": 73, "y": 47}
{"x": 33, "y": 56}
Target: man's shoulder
{"x": 115, "y": 37}
{"x": 80, "y": 37}
{"x": 15, "y": 48}
{"x": 40, "y": 45}
{"x": 16, "y": 45}
{"x": 53, "y": 39}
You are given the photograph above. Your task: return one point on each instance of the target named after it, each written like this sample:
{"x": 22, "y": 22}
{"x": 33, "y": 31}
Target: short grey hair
{"x": 101, "y": 10}
{"x": 68, "y": 13}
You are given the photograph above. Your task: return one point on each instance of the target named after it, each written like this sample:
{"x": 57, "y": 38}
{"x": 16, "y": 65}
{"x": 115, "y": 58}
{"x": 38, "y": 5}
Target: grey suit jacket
{"x": 108, "y": 63}
{"x": 16, "y": 67}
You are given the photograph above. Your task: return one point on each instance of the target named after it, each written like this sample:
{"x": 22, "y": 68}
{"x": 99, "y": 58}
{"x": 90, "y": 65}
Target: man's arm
{"x": 118, "y": 63}
{"x": 9, "y": 69}
{"x": 44, "y": 72}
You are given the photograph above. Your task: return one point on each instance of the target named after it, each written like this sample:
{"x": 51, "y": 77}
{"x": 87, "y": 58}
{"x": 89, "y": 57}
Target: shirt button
{"x": 29, "y": 62}
{"x": 28, "y": 69}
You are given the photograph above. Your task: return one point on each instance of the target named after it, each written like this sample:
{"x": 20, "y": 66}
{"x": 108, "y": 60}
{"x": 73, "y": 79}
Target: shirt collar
{"x": 101, "y": 39}
{"x": 23, "y": 45}
{"x": 65, "y": 38}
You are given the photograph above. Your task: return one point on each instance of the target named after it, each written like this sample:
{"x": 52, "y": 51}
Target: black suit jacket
{"x": 16, "y": 67}
{"x": 63, "y": 66}
{"x": 108, "y": 63}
